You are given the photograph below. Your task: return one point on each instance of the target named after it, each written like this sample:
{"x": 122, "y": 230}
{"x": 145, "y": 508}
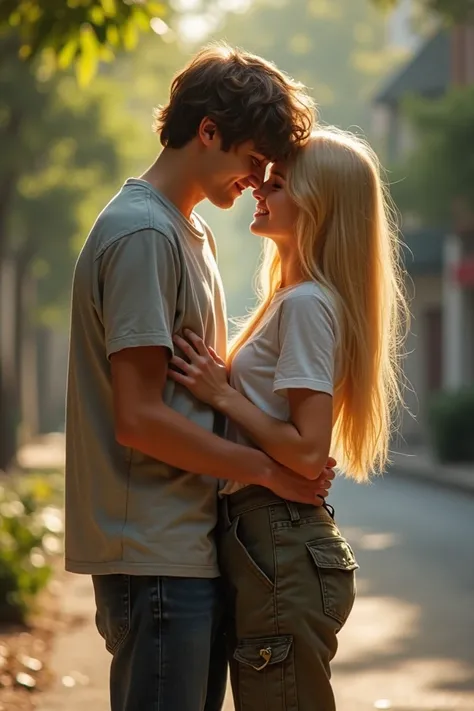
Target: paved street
{"x": 410, "y": 640}
{"x": 409, "y": 644}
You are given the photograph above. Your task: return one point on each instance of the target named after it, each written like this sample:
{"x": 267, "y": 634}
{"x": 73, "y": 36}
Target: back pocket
{"x": 336, "y": 564}
{"x": 112, "y": 597}
{"x": 263, "y": 674}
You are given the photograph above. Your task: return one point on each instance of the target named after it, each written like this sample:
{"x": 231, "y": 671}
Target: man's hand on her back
{"x": 294, "y": 487}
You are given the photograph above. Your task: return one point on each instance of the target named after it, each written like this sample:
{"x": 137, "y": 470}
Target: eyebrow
{"x": 278, "y": 174}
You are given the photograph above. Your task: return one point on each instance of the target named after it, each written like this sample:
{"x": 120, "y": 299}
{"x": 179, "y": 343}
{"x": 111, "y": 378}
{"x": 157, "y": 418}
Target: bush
{"x": 451, "y": 419}
{"x": 30, "y": 531}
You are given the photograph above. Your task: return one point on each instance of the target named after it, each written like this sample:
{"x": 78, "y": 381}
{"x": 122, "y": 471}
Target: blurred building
{"x": 440, "y": 263}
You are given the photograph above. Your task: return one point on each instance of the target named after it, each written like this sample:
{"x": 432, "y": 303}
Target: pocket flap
{"x": 259, "y": 653}
{"x": 332, "y": 553}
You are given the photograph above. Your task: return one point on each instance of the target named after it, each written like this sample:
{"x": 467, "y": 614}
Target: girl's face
{"x": 276, "y": 213}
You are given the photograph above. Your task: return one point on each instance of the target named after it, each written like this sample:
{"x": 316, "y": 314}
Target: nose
{"x": 255, "y": 181}
{"x": 257, "y": 177}
{"x": 260, "y": 192}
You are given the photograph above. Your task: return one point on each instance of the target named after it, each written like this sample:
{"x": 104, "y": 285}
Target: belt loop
{"x": 293, "y": 511}
{"x": 225, "y": 511}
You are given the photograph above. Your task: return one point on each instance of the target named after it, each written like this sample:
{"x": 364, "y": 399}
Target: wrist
{"x": 261, "y": 469}
{"x": 251, "y": 466}
{"x": 222, "y": 401}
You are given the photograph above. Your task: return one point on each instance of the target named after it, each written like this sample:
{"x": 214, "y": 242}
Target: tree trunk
{"x": 25, "y": 345}
{"x": 9, "y": 404}
{"x": 29, "y": 365}
{"x": 9, "y": 409}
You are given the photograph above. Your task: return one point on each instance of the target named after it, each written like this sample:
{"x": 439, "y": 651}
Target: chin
{"x": 223, "y": 203}
{"x": 257, "y": 229}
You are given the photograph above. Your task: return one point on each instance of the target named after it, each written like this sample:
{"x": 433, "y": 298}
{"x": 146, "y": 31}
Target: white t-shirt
{"x": 293, "y": 347}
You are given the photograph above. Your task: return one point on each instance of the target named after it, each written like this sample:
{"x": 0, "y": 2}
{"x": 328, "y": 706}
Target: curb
{"x": 451, "y": 477}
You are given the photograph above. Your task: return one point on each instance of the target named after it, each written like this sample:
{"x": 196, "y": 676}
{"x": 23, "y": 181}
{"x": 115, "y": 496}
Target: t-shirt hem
{"x": 309, "y": 383}
{"x": 139, "y": 340}
{"x": 125, "y": 568}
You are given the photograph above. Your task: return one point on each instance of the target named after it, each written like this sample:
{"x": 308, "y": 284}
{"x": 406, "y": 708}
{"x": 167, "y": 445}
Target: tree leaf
{"x": 158, "y": 9}
{"x": 129, "y": 35}
{"x": 113, "y": 36}
{"x": 97, "y": 15}
{"x": 67, "y": 54}
{"x": 88, "y": 58}
{"x": 109, "y": 7}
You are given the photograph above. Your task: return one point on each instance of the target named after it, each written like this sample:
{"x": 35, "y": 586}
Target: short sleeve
{"x": 140, "y": 277}
{"x": 307, "y": 337}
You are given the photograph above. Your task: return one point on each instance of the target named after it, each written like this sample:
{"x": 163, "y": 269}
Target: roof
{"x": 423, "y": 250}
{"x": 428, "y": 73}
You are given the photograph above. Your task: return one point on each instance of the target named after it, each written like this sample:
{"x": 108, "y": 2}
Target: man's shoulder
{"x": 130, "y": 211}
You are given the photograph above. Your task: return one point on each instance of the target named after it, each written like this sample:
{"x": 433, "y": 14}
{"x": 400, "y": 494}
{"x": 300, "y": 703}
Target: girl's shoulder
{"x": 308, "y": 291}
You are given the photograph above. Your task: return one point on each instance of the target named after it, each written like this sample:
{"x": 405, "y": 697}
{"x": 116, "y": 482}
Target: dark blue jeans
{"x": 166, "y": 639}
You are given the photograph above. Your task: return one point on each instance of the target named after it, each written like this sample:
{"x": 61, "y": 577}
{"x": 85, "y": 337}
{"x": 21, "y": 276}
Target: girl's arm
{"x": 301, "y": 445}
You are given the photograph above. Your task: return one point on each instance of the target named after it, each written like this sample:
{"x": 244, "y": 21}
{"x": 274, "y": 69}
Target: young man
{"x": 143, "y": 462}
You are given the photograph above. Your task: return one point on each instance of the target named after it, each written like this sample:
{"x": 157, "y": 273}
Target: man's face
{"x": 226, "y": 174}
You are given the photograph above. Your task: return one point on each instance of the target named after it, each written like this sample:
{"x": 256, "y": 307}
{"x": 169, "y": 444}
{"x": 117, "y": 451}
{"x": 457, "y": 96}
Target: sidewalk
{"x": 419, "y": 463}
{"x": 79, "y": 661}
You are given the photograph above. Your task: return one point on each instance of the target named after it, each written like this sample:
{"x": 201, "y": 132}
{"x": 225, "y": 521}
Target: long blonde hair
{"x": 347, "y": 241}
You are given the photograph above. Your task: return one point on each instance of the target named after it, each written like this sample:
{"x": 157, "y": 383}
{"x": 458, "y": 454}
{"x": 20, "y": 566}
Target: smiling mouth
{"x": 261, "y": 212}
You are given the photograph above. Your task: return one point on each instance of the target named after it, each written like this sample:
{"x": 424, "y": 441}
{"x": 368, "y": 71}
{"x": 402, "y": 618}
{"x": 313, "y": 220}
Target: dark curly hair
{"x": 246, "y": 96}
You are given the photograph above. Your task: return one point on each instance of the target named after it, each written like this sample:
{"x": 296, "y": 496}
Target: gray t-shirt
{"x": 144, "y": 273}
{"x": 293, "y": 347}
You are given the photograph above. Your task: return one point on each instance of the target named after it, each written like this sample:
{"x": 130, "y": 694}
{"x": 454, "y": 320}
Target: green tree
{"x": 440, "y": 183}
{"x": 63, "y": 156}
{"x": 449, "y": 10}
{"x": 83, "y": 31}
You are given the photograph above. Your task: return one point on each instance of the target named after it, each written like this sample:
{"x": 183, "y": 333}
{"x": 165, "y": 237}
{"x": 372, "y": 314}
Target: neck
{"x": 291, "y": 272}
{"x": 172, "y": 175}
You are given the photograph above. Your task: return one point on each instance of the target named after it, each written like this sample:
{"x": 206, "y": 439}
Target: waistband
{"x": 253, "y": 497}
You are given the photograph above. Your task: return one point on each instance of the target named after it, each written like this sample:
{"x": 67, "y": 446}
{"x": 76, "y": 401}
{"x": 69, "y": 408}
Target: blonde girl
{"x": 314, "y": 370}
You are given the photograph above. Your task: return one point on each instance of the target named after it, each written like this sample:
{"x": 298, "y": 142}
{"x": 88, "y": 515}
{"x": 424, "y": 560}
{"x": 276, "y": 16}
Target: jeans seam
{"x": 157, "y": 614}
{"x": 290, "y": 660}
{"x": 275, "y": 568}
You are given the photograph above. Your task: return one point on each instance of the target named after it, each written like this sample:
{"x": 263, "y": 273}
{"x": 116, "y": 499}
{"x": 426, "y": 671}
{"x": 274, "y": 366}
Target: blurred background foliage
{"x": 31, "y": 530}
{"x": 444, "y": 128}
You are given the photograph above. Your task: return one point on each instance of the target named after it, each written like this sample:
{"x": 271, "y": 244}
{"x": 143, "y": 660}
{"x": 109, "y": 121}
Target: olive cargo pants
{"x": 290, "y": 583}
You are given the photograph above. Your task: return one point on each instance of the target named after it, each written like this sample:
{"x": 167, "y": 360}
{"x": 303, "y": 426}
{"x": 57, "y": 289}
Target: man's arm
{"x": 144, "y": 422}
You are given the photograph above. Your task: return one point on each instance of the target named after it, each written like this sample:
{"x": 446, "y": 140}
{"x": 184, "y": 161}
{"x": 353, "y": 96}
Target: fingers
{"x": 328, "y": 474}
{"x": 180, "y": 363}
{"x": 197, "y": 342}
{"x": 331, "y": 463}
{"x": 216, "y": 356}
{"x": 177, "y": 377}
{"x": 185, "y": 347}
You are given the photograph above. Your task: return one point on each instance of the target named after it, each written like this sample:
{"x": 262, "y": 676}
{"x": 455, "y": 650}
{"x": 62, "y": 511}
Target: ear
{"x": 207, "y": 131}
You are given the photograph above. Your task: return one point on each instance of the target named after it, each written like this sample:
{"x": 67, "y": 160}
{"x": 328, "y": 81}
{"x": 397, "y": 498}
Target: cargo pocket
{"x": 264, "y": 676}
{"x": 336, "y": 564}
{"x": 247, "y": 557}
{"x": 112, "y": 596}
